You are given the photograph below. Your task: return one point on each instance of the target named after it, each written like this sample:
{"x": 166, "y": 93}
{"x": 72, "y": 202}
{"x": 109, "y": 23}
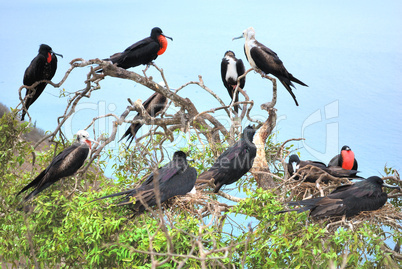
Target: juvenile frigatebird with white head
{"x": 264, "y": 59}
{"x": 42, "y": 67}
{"x": 231, "y": 69}
{"x": 65, "y": 164}
{"x": 143, "y": 51}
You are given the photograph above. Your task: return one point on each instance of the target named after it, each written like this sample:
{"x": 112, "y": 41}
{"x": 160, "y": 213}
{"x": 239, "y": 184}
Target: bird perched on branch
{"x": 42, "y": 67}
{"x": 173, "y": 179}
{"x": 232, "y": 164}
{"x": 348, "y": 200}
{"x": 346, "y": 159}
{"x": 65, "y": 164}
{"x": 142, "y": 52}
{"x": 231, "y": 69}
{"x": 153, "y": 105}
{"x": 295, "y": 164}
{"x": 262, "y": 58}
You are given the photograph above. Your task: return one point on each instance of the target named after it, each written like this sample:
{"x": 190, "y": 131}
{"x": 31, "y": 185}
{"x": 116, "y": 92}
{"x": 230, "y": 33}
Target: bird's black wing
{"x": 139, "y": 44}
{"x": 313, "y": 163}
{"x": 34, "y": 71}
{"x": 62, "y": 155}
{"x": 234, "y": 163}
{"x": 223, "y": 162}
{"x": 337, "y": 171}
{"x": 165, "y": 173}
{"x": 127, "y": 192}
{"x": 180, "y": 184}
{"x": 58, "y": 158}
{"x": 269, "y": 63}
{"x": 305, "y": 205}
{"x": 328, "y": 207}
{"x": 240, "y": 71}
{"x": 341, "y": 190}
{"x": 350, "y": 190}
{"x": 355, "y": 165}
{"x": 34, "y": 182}
{"x": 149, "y": 179}
{"x": 134, "y": 127}
{"x": 138, "y": 52}
{"x": 32, "y": 74}
{"x": 334, "y": 161}
{"x": 63, "y": 165}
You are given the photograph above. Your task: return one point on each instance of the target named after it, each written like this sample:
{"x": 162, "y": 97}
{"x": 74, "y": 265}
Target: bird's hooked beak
{"x": 167, "y": 37}
{"x": 90, "y": 141}
{"x": 391, "y": 186}
{"x": 237, "y": 37}
{"x": 58, "y": 54}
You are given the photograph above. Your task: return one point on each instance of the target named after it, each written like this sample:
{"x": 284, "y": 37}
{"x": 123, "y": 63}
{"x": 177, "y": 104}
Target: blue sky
{"x": 348, "y": 52}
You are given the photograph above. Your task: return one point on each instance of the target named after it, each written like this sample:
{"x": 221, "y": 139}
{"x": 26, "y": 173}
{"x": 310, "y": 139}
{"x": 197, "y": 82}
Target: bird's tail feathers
{"x": 131, "y": 133}
{"x": 113, "y": 195}
{"x": 292, "y": 78}
{"x": 287, "y": 83}
{"x": 146, "y": 196}
{"x": 34, "y": 182}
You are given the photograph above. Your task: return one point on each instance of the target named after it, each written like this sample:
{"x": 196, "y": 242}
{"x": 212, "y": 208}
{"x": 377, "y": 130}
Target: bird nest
{"x": 199, "y": 204}
{"x": 301, "y": 189}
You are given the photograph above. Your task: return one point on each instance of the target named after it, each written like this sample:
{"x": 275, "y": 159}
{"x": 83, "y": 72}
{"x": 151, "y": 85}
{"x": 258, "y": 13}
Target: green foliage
{"x": 293, "y": 240}
{"x": 64, "y": 229}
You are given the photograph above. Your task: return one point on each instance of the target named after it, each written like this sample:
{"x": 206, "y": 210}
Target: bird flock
{"x": 177, "y": 177}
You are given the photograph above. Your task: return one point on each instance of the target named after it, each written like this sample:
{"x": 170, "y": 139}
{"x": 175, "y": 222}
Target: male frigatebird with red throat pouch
{"x": 262, "y": 58}
{"x": 295, "y": 164}
{"x": 346, "y": 159}
{"x": 348, "y": 200}
{"x": 42, "y": 67}
{"x": 65, "y": 164}
{"x": 231, "y": 69}
{"x": 142, "y": 52}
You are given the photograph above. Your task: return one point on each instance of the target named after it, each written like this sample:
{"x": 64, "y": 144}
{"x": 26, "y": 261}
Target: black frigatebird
{"x": 231, "y": 69}
{"x": 294, "y": 164}
{"x": 262, "y": 58}
{"x": 346, "y": 159}
{"x": 42, "y": 67}
{"x": 65, "y": 164}
{"x": 175, "y": 178}
{"x": 348, "y": 200}
{"x": 142, "y": 52}
{"x": 232, "y": 164}
{"x": 153, "y": 105}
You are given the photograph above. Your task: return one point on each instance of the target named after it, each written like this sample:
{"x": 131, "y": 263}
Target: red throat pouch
{"x": 348, "y": 158}
{"x": 49, "y": 57}
{"x": 163, "y": 43}
{"x": 89, "y": 143}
